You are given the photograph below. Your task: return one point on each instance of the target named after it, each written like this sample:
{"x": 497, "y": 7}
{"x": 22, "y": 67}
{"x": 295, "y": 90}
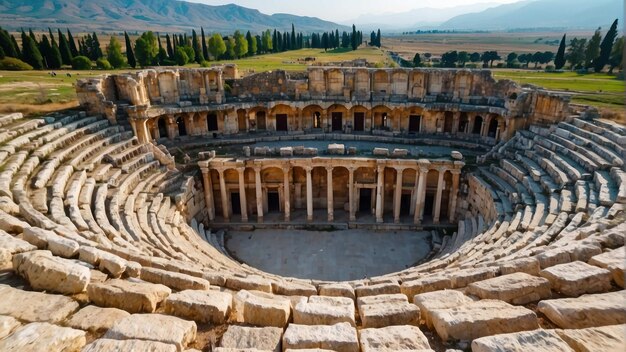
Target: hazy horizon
{"x": 345, "y": 10}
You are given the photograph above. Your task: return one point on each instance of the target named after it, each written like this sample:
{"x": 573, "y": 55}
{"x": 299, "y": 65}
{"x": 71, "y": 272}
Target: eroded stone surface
{"x": 155, "y": 327}
{"x": 107, "y": 345}
{"x": 176, "y": 281}
{"x": 256, "y": 309}
{"x": 201, "y": 306}
{"x": 426, "y": 284}
{"x": 323, "y": 313}
{"x": 249, "y": 283}
{"x": 576, "y": 278}
{"x": 516, "y": 288}
{"x": 393, "y": 338}
{"x": 427, "y": 302}
{"x": 7, "y": 325}
{"x": 604, "y": 338}
{"x": 379, "y": 289}
{"x": 586, "y": 311}
{"x": 35, "y": 306}
{"x": 387, "y": 314}
{"x": 96, "y": 319}
{"x": 37, "y": 337}
{"x": 242, "y": 337}
{"x": 133, "y": 297}
{"x": 46, "y": 272}
{"x": 536, "y": 340}
{"x": 340, "y": 337}
{"x": 337, "y": 290}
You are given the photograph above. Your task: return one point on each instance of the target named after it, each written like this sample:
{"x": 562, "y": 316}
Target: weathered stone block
{"x": 340, "y": 337}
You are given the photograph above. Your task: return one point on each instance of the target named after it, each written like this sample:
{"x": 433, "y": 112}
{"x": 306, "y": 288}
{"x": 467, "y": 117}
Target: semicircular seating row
{"x": 88, "y": 221}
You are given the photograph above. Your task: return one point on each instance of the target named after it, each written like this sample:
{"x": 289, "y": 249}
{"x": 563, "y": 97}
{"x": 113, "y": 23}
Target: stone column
{"x": 352, "y": 208}
{"x": 309, "y": 194}
{"x": 421, "y": 195}
{"x": 438, "y": 196}
{"x": 259, "y": 194}
{"x": 329, "y": 193}
{"x": 455, "y": 123}
{"x": 287, "y": 194}
{"x": 397, "y": 195}
{"x": 453, "y": 194}
{"x": 414, "y": 195}
{"x": 380, "y": 184}
{"x": 225, "y": 210}
{"x": 208, "y": 194}
{"x": 242, "y": 195}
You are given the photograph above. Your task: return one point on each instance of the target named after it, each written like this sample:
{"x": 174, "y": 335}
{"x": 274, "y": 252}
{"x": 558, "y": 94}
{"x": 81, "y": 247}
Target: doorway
{"x": 182, "y": 129}
{"x": 162, "y": 124}
{"x": 235, "y": 202}
{"x": 281, "y": 122}
{"x": 447, "y": 122}
{"x": 429, "y": 203}
{"x": 478, "y": 125}
{"x": 365, "y": 200}
{"x": 273, "y": 202}
{"x": 405, "y": 204}
{"x": 211, "y": 122}
{"x": 337, "y": 121}
{"x": 414, "y": 123}
{"x": 260, "y": 121}
{"x": 359, "y": 121}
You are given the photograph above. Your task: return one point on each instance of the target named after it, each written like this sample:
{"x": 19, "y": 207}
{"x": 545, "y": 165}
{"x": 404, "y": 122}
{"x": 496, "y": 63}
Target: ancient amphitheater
{"x": 109, "y": 214}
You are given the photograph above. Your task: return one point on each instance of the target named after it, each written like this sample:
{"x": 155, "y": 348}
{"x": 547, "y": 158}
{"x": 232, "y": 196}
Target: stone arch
{"x": 211, "y": 122}
{"x": 381, "y": 116}
{"x": 365, "y": 191}
{"x": 478, "y": 125}
{"x": 162, "y": 127}
{"x": 463, "y": 122}
{"x": 359, "y": 116}
{"x": 493, "y": 127}
{"x": 337, "y": 116}
{"x": 281, "y": 117}
{"x": 448, "y": 121}
{"x": 272, "y": 180}
{"x": 312, "y": 115}
{"x": 242, "y": 120}
{"x": 258, "y": 118}
{"x": 182, "y": 126}
{"x": 341, "y": 191}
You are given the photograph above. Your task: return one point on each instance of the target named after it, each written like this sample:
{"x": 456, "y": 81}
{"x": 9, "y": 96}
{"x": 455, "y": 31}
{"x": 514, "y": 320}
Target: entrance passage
{"x": 281, "y": 122}
{"x": 337, "y": 121}
{"x": 235, "y": 202}
{"x": 447, "y": 122}
{"x": 414, "y": 123}
{"x": 405, "y": 204}
{"x": 211, "y": 122}
{"x": 260, "y": 121}
{"x": 429, "y": 205}
{"x": 273, "y": 202}
{"x": 359, "y": 121}
{"x": 365, "y": 200}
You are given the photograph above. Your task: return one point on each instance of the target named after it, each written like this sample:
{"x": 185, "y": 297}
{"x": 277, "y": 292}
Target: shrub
{"x": 103, "y": 64}
{"x": 205, "y": 64}
{"x": 181, "y": 57}
{"x": 81, "y": 63}
{"x": 13, "y": 64}
{"x": 549, "y": 68}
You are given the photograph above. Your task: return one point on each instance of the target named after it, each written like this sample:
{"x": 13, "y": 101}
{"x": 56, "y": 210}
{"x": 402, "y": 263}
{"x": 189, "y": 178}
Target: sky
{"x": 344, "y": 10}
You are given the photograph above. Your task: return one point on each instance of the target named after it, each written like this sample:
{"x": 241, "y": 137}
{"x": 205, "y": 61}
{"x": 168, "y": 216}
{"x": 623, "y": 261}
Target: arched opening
{"x": 182, "y": 128}
{"x": 447, "y": 122}
{"x": 463, "y": 122}
{"x": 493, "y": 127}
{"x": 478, "y": 125}
{"x": 261, "y": 123}
{"x": 162, "y": 126}
{"x": 317, "y": 119}
{"x": 211, "y": 122}
{"x": 385, "y": 123}
{"x": 242, "y": 121}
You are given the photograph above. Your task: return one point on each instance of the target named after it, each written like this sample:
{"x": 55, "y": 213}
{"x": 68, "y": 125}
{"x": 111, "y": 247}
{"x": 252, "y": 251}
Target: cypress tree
{"x": 378, "y": 38}
{"x": 275, "y": 41}
{"x": 130, "y": 56}
{"x": 197, "y": 48}
{"x": 64, "y": 48}
{"x": 605, "y": 48}
{"x": 293, "y": 37}
{"x": 30, "y": 52}
{"x": 168, "y": 44}
{"x": 17, "y": 47}
{"x": 354, "y": 39}
{"x": 72, "y": 43}
{"x": 32, "y": 36}
{"x": 6, "y": 44}
{"x": 2, "y": 55}
{"x": 205, "y": 49}
{"x": 559, "y": 60}
{"x": 97, "y": 50}
{"x": 51, "y": 53}
{"x": 45, "y": 49}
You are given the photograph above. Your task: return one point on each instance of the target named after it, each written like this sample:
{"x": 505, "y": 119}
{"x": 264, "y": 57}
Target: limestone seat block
{"x": 288, "y": 288}
{"x": 378, "y": 289}
{"x": 426, "y": 284}
{"x": 528, "y": 265}
{"x": 262, "y": 310}
{"x": 176, "y": 281}
{"x": 465, "y": 277}
{"x": 55, "y": 274}
{"x": 391, "y": 298}
{"x": 576, "y": 278}
{"x": 340, "y": 337}
{"x": 131, "y": 296}
{"x": 482, "y": 318}
{"x": 518, "y": 288}
{"x": 38, "y": 337}
{"x": 319, "y": 312}
{"x": 7, "y": 325}
{"x": 617, "y": 270}
{"x": 536, "y": 340}
{"x": 393, "y": 338}
{"x": 604, "y": 338}
{"x": 250, "y": 283}
{"x": 337, "y": 290}
{"x": 242, "y": 337}
{"x": 616, "y": 256}
{"x": 96, "y": 319}
{"x": 387, "y": 314}
{"x": 429, "y": 301}
{"x": 154, "y": 327}
{"x": 14, "y": 245}
{"x": 586, "y": 311}
{"x": 107, "y": 345}
{"x": 202, "y": 306}
{"x": 35, "y": 306}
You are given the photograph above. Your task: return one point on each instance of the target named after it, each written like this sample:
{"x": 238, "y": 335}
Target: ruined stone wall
{"x": 480, "y": 200}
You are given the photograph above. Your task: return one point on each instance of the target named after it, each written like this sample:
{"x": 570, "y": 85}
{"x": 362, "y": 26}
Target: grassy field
{"x": 598, "y": 89}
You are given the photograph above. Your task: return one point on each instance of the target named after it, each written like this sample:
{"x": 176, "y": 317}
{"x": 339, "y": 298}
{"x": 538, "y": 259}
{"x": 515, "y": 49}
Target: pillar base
{"x": 287, "y": 218}
{"x": 309, "y": 218}
{"x": 244, "y": 219}
{"x": 396, "y": 221}
{"x": 379, "y": 221}
{"x": 352, "y": 218}
{"x": 259, "y": 219}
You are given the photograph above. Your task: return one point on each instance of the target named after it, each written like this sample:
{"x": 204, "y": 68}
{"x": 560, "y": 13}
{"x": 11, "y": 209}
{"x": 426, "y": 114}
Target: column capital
{"x": 423, "y": 169}
{"x": 219, "y": 170}
{"x": 286, "y": 169}
{"x": 400, "y": 168}
{"x": 241, "y": 169}
{"x": 329, "y": 168}
{"x": 308, "y": 169}
{"x": 257, "y": 168}
{"x": 455, "y": 171}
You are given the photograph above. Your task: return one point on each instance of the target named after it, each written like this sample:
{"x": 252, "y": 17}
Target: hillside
{"x": 140, "y": 15}
{"x": 541, "y": 14}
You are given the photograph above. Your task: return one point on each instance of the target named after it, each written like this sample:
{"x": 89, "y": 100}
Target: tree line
{"x": 153, "y": 49}
{"x": 595, "y": 53}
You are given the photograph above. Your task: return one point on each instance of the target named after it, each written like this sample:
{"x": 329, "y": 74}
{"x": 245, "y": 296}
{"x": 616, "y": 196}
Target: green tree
{"x": 510, "y": 59}
{"x": 449, "y": 59}
{"x": 81, "y": 63}
{"x": 559, "y": 60}
{"x": 474, "y": 57}
{"x": 576, "y": 52}
{"x": 72, "y": 44}
{"x": 378, "y": 38}
{"x": 252, "y": 44}
{"x": 354, "y": 42}
{"x": 6, "y": 44}
{"x": 146, "y": 49}
{"x": 2, "y": 55}
{"x": 197, "y": 48}
{"x": 417, "y": 60}
{"x": 230, "y": 47}
{"x": 490, "y": 57}
{"x": 463, "y": 58}
{"x": 525, "y": 58}
{"x": 64, "y": 48}
{"x": 593, "y": 48}
{"x": 181, "y": 57}
{"x": 96, "y": 48}
{"x": 130, "y": 55}
{"x": 267, "y": 41}
{"x": 205, "y": 49}
{"x": 241, "y": 44}
{"x": 605, "y": 48}
{"x": 45, "y": 49}
{"x": 217, "y": 47}
{"x": 617, "y": 55}
{"x": 30, "y": 52}
{"x": 17, "y": 47}
{"x": 103, "y": 64}
{"x": 170, "y": 50}
{"x": 53, "y": 55}
{"x": 114, "y": 53}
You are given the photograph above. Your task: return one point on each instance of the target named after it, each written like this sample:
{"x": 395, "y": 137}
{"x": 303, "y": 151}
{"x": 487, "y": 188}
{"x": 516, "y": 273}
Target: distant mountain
{"x": 416, "y": 18}
{"x": 140, "y": 15}
{"x": 542, "y": 14}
